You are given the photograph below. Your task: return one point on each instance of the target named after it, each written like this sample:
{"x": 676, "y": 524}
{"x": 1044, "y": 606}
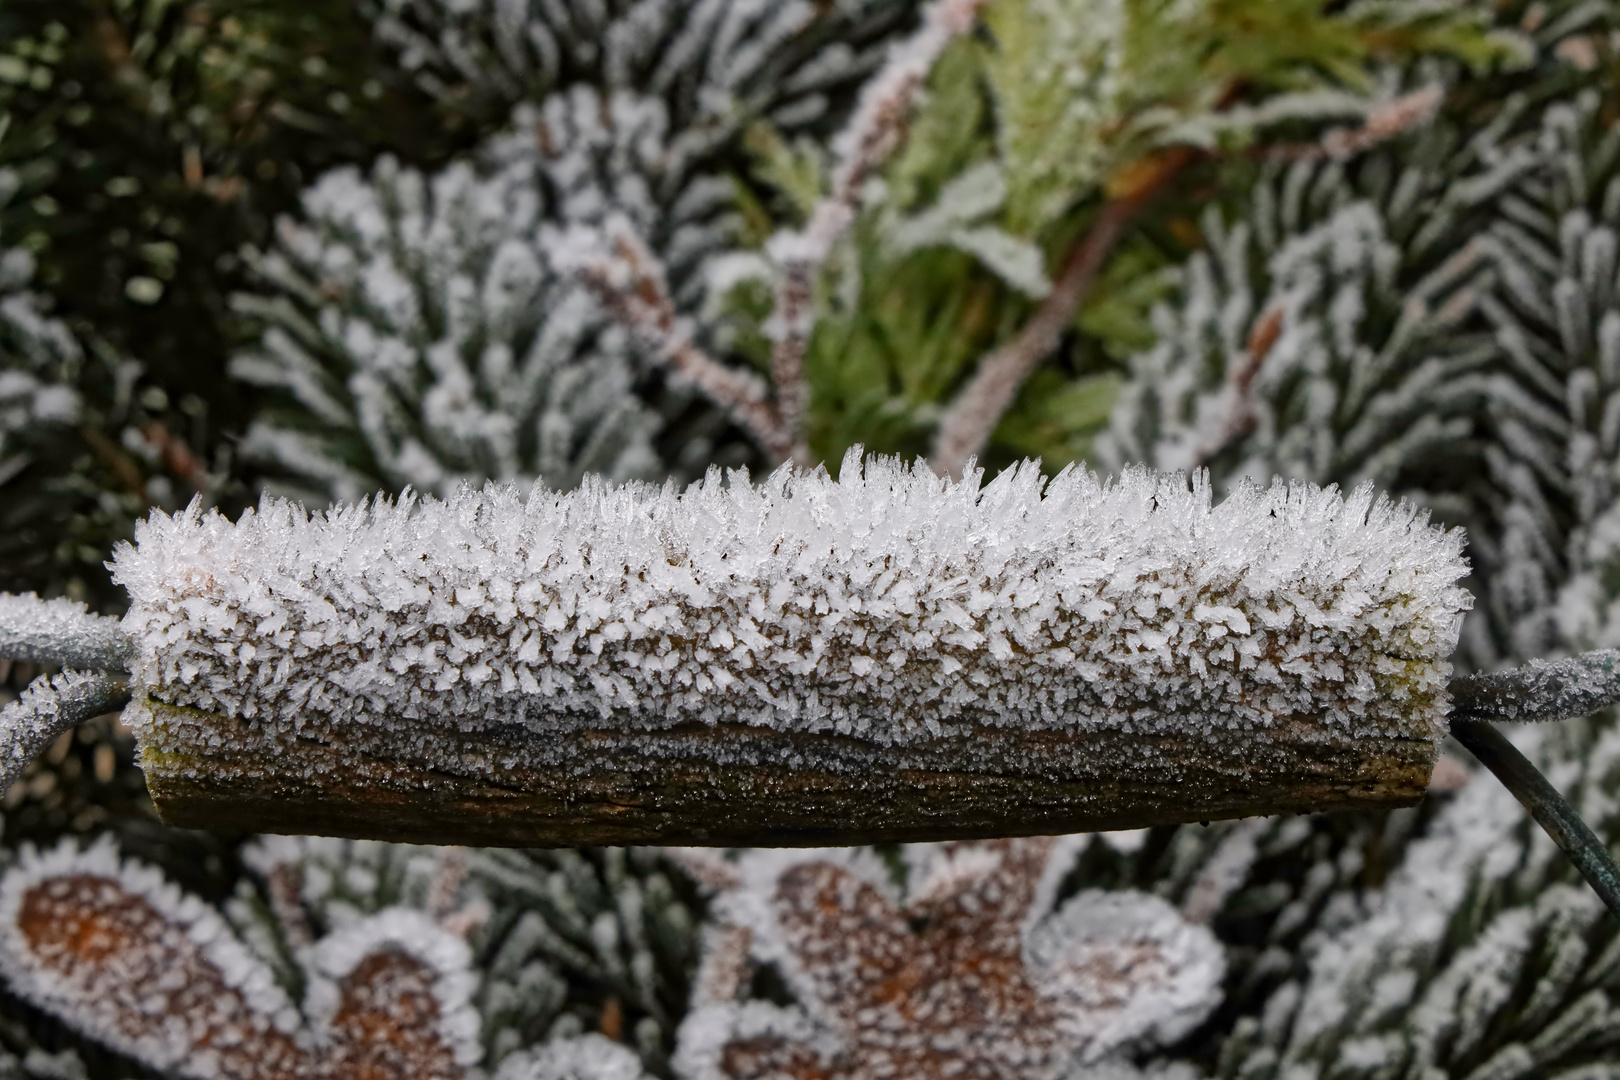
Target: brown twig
{"x": 108, "y": 453}
{"x": 629, "y": 281}
{"x": 968, "y": 422}
{"x": 973, "y": 415}
{"x": 1241, "y": 415}
{"x": 877, "y": 126}
{"x": 177, "y": 456}
{"x": 1387, "y": 121}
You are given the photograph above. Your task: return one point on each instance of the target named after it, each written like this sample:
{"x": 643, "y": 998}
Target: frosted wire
{"x": 889, "y": 604}
{"x": 51, "y": 705}
{"x": 61, "y": 632}
{"x": 1541, "y": 690}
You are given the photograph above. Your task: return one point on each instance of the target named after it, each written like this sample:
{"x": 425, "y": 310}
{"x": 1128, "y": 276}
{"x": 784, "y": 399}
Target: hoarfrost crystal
{"x": 889, "y": 604}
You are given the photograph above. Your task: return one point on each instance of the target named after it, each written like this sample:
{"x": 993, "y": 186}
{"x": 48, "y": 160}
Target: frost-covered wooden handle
{"x": 805, "y": 661}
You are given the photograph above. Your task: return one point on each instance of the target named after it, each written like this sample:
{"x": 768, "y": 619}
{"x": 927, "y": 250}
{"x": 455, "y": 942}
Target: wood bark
{"x": 738, "y": 785}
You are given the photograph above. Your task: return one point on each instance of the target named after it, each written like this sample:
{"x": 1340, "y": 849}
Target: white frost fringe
{"x": 888, "y": 603}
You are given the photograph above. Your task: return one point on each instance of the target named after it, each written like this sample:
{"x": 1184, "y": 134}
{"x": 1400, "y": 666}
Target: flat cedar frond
{"x": 971, "y": 975}
{"x": 129, "y": 960}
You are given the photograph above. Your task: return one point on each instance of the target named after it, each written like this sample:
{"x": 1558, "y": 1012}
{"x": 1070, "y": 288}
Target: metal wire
{"x": 1541, "y": 690}
{"x": 1545, "y": 804}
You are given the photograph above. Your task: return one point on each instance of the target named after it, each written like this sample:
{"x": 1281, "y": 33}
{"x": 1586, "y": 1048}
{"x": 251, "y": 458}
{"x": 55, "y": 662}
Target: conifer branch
{"x": 1239, "y": 408}
{"x": 972, "y": 416}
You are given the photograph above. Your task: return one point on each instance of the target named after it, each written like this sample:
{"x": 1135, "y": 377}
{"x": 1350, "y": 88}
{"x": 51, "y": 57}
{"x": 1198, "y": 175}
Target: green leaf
{"x": 795, "y": 171}
{"x": 1055, "y": 419}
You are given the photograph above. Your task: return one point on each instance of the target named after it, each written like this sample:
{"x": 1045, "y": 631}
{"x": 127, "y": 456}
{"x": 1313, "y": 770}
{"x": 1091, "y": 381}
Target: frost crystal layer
{"x": 888, "y": 604}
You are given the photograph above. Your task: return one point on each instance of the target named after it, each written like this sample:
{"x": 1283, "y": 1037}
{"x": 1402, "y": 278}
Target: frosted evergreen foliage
{"x": 423, "y": 340}
{"x": 310, "y": 887}
{"x": 578, "y": 941}
{"x": 597, "y": 153}
{"x": 890, "y": 603}
{"x": 1347, "y": 329}
{"x": 1296, "y": 380}
{"x": 972, "y": 972}
{"x": 717, "y": 62}
{"x": 631, "y": 108}
{"x": 39, "y": 356}
{"x": 1483, "y": 952}
{"x": 1555, "y": 409}
{"x": 636, "y": 107}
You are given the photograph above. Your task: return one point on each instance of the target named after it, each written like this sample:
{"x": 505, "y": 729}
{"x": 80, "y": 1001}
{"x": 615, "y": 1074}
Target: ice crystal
{"x": 888, "y": 603}
{"x": 972, "y": 975}
{"x": 115, "y": 951}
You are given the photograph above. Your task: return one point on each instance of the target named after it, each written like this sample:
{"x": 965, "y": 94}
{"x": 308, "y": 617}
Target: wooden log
{"x": 887, "y": 656}
{"x": 738, "y": 785}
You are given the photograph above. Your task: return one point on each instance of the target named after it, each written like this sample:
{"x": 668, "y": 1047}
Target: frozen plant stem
{"x": 57, "y": 632}
{"x": 972, "y": 416}
{"x": 883, "y": 656}
{"x": 1545, "y": 804}
{"x": 1542, "y": 691}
